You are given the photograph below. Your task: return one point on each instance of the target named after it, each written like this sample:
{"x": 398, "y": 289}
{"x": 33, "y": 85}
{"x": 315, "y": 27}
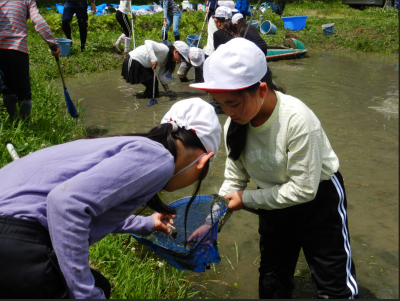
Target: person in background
{"x": 252, "y": 33}
{"x": 278, "y": 142}
{"x": 79, "y": 8}
{"x": 196, "y": 58}
{"x": 172, "y": 15}
{"x": 226, "y": 31}
{"x": 243, "y": 7}
{"x": 89, "y": 188}
{"x": 14, "y": 57}
{"x": 211, "y": 6}
{"x": 139, "y": 64}
{"x": 124, "y": 9}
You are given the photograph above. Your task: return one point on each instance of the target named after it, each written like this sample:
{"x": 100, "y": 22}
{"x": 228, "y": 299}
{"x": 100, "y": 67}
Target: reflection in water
{"x": 356, "y": 97}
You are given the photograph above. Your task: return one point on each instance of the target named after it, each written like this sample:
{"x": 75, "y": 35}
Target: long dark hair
{"x": 170, "y": 65}
{"x": 228, "y": 27}
{"x": 237, "y": 133}
{"x": 241, "y": 27}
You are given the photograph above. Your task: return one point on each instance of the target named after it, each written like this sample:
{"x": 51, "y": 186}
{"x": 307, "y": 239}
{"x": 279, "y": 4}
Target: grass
{"x": 132, "y": 274}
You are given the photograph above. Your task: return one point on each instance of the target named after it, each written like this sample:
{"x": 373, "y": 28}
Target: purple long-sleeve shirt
{"x": 83, "y": 190}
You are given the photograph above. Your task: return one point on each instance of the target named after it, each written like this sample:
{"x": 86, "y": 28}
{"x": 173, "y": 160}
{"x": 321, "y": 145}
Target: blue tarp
{"x": 100, "y": 8}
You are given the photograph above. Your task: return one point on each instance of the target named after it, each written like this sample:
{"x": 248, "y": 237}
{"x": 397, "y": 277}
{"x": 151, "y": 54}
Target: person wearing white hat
{"x": 139, "y": 64}
{"x": 196, "y": 58}
{"x": 89, "y": 188}
{"x": 252, "y": 33}
{"x": 278, "y": 142}
{"x": 226, "y": 31}
{"x": 229, "y": 4}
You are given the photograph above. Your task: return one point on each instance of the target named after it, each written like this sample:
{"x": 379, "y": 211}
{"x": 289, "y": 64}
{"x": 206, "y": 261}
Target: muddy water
{"x": 356, "y": 98}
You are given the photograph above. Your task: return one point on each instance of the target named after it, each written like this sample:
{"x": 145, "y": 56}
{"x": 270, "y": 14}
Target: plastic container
{"x": 185, "y": 4}
{"x": 294, "y": 23}
{"x": 65, "y": 46}
{"x": 151, "y": 7}
{"x": 328, "y": 29}
{"x": 194, "y": 6}
{"x": 255, "y": 23}
{"x": 193, "y": 39}
{"x": 268, "y": 28}
{"x": 199, "y": 6}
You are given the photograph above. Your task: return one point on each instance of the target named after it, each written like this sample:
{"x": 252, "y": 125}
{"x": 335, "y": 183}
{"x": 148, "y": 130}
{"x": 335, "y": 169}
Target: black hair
{"x": 237, "y": 133}
{"x": 164, "y": 135}
{"x": 228, "y": 27}
{"x": 170, "y": 65}
{"x": 241, "y": 27}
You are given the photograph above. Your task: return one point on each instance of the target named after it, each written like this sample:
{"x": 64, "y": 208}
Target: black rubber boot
{"x": 184, "y": 79}
{"x": 25, "y": 107}
{"x": 10, "y": 102}
{"x": 148, "y": 93}
{"x": 177, "y": 38}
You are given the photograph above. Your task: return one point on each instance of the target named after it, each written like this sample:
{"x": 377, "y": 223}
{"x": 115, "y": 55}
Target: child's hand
{"x": 235, "y": 200}
{"x": 199, "y": 232}
{"x": 162, "y": 221}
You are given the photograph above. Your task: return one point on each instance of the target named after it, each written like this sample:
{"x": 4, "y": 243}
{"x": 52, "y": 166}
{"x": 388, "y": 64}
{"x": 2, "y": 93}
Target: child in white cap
{"x": 196, "y": 58}
{"x": 226, "y": 31}
{"x": 139, "y": 64}
{"x": 278, "y": 142}
{"x": 251, "y": 35}
{"x": 89, "y": 188}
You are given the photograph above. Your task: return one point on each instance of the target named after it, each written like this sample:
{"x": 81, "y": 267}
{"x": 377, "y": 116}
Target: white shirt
{"x": 212, "y": 27}
{"x": 125, "y": 6}
{"x": 152, "y": 52}
{"x": 286, "y": 157}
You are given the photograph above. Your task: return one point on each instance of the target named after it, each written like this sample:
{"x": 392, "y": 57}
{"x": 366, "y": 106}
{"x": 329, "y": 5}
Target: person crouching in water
{"x": 197, "y": 58}
{"x": 58, "y": 201}
{"x": 140, "y": 64}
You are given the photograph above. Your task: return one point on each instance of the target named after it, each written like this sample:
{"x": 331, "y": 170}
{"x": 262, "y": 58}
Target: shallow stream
{"x": 356, "y": 98}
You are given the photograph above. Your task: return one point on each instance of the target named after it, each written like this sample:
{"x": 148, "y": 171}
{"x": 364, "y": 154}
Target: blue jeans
{"x": 176, "y": 19}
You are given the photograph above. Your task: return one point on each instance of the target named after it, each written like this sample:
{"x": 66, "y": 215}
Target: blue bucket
{"x": 65, "y": 46}
{"x": 294, "y": 23}
{"x": 328, "y": 29}
{"x": 192, "y": 38}
{"x": 254, "y": 23}
{"x": 268, "y": 28}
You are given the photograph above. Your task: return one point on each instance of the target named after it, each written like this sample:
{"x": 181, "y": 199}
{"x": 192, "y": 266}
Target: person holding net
{"x": 277, "y": 141}
{"x": 58, "y": 201}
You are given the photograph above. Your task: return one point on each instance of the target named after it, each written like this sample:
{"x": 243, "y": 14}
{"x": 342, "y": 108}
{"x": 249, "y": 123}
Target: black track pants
{"x": 29, "y": 265}
{"x": 124, "y": 22}
{"x": 320, "y": 228}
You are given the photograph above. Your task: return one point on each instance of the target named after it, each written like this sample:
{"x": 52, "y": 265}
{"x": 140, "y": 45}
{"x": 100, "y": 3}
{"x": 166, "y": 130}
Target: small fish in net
{"x": 203, "y": 221}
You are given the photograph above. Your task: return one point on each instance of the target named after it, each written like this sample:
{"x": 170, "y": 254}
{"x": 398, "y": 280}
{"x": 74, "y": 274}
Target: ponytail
{"x": 237, "y": 133}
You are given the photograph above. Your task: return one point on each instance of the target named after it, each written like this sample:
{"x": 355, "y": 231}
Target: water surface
{"x": 356, "y": 98}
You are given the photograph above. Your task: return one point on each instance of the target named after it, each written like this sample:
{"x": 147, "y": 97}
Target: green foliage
{"x": 135, "y": 274}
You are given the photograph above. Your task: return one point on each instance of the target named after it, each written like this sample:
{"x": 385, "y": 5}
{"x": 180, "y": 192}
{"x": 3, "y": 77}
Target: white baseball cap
{"x": 236, "y": 18}
{"x": 196, "y": 56}
{"x": 235, "y": 65}
{"x": 183, "y": 49}
{"x": 230, "y": 4}
{"x": 223, "y": 12}
{"x": 198, "y": 116}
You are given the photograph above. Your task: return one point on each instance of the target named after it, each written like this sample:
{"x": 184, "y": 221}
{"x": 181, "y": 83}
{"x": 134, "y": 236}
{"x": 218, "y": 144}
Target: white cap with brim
{"x": 196, "y": 56}
{"x": 198, "y": 116}
{"x": 236, "y": 18}
{"x": 235, "y": 65}
{"x": 183, "y": 49}
{"x": 223, "y": 12}
{"x": 229, "y": 4}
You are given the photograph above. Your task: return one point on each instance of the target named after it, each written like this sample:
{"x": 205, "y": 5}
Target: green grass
{"x": 134, "y": 273}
